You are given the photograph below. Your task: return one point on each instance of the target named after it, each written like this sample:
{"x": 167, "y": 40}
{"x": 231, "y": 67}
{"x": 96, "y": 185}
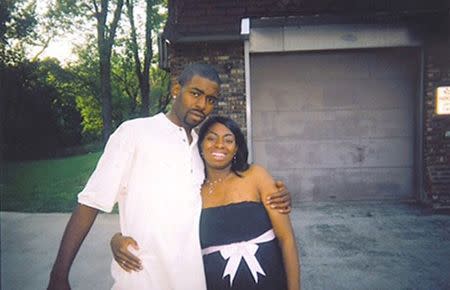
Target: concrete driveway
{"x": 345, "y": 245}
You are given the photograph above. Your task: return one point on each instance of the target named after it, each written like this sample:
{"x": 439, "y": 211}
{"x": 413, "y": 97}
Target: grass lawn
{"x": 45, "y": 185}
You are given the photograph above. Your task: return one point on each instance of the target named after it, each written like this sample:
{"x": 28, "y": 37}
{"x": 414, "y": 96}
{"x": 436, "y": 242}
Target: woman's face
{"x": 219, "y": 146}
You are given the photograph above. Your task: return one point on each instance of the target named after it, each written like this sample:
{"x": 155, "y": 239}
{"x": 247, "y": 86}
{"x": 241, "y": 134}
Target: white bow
{"x": 236, "y": 251}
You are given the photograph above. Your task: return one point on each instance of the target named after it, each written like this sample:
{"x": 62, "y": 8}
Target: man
{"x": 152, "y": 168}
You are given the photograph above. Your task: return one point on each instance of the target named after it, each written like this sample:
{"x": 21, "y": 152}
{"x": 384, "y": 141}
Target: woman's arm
{"x": 282, "y": 228}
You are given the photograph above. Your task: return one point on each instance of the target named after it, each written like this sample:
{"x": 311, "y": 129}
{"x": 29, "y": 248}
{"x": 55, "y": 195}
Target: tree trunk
{"x": 148, "y": 53}
{"x": 105, "y": 94}
{"x": 105, "y": 41}
{"x": 142, "y": 73}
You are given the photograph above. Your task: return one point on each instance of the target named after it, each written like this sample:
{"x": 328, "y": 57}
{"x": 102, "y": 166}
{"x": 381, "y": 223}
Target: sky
{"x": 61, "y": 47}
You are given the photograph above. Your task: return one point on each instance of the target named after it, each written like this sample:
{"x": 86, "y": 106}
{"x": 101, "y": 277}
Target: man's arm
{"x": 76, "y": 230}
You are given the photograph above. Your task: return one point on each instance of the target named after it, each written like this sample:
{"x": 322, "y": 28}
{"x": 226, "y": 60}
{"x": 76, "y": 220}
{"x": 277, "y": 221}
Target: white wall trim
{"x": 248, "y": 100}
{"x": 419, "y": 168}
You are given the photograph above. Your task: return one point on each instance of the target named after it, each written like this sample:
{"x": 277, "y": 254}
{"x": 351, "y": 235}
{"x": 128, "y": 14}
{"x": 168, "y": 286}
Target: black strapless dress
{"x": 235, "y": 223}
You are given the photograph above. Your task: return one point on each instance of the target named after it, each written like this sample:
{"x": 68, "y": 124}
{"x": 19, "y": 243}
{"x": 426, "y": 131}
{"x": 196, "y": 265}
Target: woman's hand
{"x": 123, "y": 256}
{"x": 280, "y": 200}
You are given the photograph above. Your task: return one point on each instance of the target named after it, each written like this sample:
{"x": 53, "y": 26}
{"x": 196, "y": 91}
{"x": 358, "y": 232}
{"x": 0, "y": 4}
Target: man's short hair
{"x": 198, "y": 69}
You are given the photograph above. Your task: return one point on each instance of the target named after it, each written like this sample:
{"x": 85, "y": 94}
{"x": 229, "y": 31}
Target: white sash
{"x": 236, "y": 251}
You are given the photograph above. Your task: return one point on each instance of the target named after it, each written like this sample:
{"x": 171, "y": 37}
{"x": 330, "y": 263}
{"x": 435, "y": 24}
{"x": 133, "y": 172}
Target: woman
{"x": 245, "y": 245}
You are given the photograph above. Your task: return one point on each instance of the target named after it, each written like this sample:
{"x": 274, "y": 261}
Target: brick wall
{"x": 190, "y": 17}
{"x": 437, "y": 73}
{"x": 228, "y": 59}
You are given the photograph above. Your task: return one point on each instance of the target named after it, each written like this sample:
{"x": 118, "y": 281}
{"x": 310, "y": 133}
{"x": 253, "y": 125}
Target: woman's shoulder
{"x": 257, "y": 170}
{"x": 261, "y": 179}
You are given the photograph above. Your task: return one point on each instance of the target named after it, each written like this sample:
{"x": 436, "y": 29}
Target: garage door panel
{"x": 280, "y": 155}
{"x": 295, "y": 96}
{"x": 385, "y": 153}
{"x": 351, "y": 184}
{"x": 384, "y": 123}
{"x": 397, "y": 183}
{"x": 310, "y": 67}
{"x": 336, "y": 154}
{"x": 338, "y": 124}
{"x": 332, "y": 125}
{"x": 392, "y": 65}
{"x": 346, "y": 184}
{"x": 260, "y": 151}
{"x": 386, "y": 64}
{"x": 300, "y": 180}
{"x": 267, "y": 124}
{"x": 368, "y": 94}
{"x": 385, "y": 94}
{"x": 338, "y": 95}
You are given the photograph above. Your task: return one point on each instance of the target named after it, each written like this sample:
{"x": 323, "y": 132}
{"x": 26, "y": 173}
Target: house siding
{"x": 212, "y": 17}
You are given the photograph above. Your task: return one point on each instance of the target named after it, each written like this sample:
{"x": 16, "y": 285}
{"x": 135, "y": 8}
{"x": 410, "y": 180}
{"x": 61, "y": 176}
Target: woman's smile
{"x": 218, "y": 155}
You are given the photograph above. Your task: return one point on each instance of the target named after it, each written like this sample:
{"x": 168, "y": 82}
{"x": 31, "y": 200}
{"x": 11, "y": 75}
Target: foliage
{"x": 17, "y": 26}
{"x": 142, "y": 54}
{"x": 91, "y": 115}
{"x": 46, "y": 106}
{"x": 39, "y": 118}
{"x": 63, "y": 105}
{"x": 123, "y": 75}
{"x": 160, "y": 94}
{"x": 88, "y": 87}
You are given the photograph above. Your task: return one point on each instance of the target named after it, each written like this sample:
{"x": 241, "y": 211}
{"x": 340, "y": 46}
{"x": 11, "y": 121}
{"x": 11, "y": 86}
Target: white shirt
{"x": 155, "y": 175}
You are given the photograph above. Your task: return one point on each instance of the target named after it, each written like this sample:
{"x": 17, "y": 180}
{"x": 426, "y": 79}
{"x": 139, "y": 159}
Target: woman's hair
{"x": 239, "y": 162}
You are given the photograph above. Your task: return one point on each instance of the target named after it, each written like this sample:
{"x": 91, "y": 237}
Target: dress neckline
{"x": 234, "y": 204}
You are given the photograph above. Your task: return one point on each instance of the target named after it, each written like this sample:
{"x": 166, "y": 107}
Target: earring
{"x": 174, "y": 97}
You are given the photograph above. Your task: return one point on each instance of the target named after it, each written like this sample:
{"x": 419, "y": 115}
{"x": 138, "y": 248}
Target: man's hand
{"x": 280, "y": 200}
{"x": 123, "y": 256}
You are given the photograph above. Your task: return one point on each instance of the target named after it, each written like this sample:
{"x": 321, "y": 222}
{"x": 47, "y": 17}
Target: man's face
{"x": 194, "y": 101}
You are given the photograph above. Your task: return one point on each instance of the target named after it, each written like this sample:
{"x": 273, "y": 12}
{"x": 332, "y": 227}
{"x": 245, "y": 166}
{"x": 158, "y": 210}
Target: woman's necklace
{"x": 211, "y": 184}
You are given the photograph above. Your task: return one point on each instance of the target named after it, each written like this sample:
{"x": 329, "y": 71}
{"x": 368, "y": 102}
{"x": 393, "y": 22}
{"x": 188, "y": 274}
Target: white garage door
{"x": 337, "y": 124}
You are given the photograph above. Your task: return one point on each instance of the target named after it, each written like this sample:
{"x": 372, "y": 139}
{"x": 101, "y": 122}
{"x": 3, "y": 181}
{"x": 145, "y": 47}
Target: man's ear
{"x": 175, "y": 89}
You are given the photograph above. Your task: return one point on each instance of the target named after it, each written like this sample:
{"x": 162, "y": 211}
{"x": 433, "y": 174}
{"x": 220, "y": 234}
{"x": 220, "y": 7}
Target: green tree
{"x": 18, "y": 23}
{"x": 63, "y": 105}
{"x": 105, "y": 42}
{"x": 107, "y": 20}
{"x": 160, "y": 94}
{"x": 124, "y": 89}
{"x": 123, "y": 68}
{"x": 40, "y": 116}
{"x": 153, "y": 22}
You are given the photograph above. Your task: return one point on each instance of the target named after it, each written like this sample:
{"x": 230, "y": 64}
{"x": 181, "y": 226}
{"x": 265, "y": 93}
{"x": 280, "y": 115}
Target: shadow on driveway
{"x": 343, "y": 245}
